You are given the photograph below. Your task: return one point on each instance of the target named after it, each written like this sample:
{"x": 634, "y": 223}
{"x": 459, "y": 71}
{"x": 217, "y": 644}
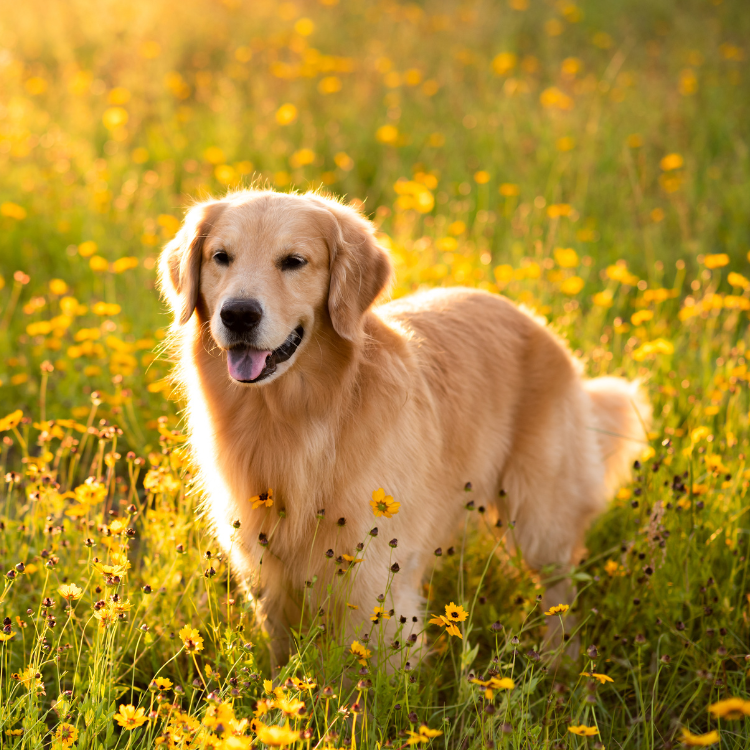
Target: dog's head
{"x": 267, "y": 271}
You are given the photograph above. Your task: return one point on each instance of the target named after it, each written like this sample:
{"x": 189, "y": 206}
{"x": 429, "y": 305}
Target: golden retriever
{"x": 295, "y": 383}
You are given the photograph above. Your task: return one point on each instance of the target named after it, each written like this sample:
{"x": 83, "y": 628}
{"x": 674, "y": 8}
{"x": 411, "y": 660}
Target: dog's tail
{"x": 622, "y": 415}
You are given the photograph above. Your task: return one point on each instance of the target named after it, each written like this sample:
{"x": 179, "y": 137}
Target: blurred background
{"x": 495, "y": 144}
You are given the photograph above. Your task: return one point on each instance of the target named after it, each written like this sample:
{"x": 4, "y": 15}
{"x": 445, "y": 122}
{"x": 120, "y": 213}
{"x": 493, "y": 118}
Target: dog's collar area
{"x": 238, "y": 354}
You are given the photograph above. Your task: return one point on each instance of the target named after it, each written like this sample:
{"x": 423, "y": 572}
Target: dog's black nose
{"x": 241, "y": 315}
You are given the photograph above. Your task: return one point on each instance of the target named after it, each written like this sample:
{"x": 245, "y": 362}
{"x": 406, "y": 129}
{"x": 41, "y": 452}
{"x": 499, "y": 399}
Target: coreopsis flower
{"x": 31, "y": 678}
{"x": 265, "y": 499}
{"x": 111, "y": 611}
{"x": 455, "y": 613}
{"x": 6, "y": 636}
{"x": 277, "y": 736}
{"x": 583, "y": 731}
{"x": 221, "y": 719}
{"x": 730, "y": 708}
{"x": 595, "y": 675}
{"x": 129, "y": 717}
{"x": 383, "y": 505}
{"x": 191, "y": 639}
{"x": 306, "y": 684}
{"x": 161, "y": 683}
{"x": 699, "y": 740}
{"x": 70, "y": 591}
{"x": 558, "y": 609}
{"x": 90, "y": 492}
{"x": 290, "y": 706}
{"x": 66, "y": 734}
{"x": 263, "y": 706}
{"x": 424, "y": 734}
{"x": 495, "y": 683}
{"x": 378, "y": 614}
{"x": 11, "y": 420}
{"x": 450, "y": 627}
{"x": 362, "y": 653}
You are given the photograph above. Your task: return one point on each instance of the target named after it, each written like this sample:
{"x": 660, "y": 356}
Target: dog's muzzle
{"x": 249, "y": 365}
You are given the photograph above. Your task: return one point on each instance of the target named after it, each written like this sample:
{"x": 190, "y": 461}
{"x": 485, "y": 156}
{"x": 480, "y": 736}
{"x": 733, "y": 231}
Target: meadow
{"x": 589, "y": 160}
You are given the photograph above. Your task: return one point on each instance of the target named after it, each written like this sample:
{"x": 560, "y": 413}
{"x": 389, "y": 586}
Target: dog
{"x": 304, "y": 396}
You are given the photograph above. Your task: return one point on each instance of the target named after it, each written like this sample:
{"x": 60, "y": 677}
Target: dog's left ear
{"x": 360, "y": 268}
{"x": 180, "y": 261}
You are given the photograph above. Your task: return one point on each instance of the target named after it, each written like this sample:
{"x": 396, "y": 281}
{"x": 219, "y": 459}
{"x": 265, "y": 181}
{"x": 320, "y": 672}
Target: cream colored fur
{"x": 418, "y": 396}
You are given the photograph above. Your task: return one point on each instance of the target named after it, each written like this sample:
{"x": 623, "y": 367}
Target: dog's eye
{"x": 292, "y": 262}
{"x": 221, "y": 258}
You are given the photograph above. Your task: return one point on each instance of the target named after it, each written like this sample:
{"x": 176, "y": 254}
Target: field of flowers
{"x": 589, "y": 160}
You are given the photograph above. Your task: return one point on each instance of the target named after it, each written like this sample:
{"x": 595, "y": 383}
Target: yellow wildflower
{"x": 730, "y": 708}
{"x": 265, "y": 499}
{"x": 716, "y": 260}
{"x": 129, "y": 717}
{"x": 70, "y": 591}
{"x": 583, "y": 731}
{"x": 699, "y": 740}
{"x": 361, "y": 652}
{"x": 66, "y": 734}
{"x": 383, "y": 505}
{"x": 161, "y": 683}
{"x": 601, "y": 677}
{"x": 558, "y": 609}
{"x": 277, "y": 736}
{"x": 455, "y": 613}
{"x": 378, "y": 613}
{"x": 11, "y": 420}
{"x": 191, "y": 639}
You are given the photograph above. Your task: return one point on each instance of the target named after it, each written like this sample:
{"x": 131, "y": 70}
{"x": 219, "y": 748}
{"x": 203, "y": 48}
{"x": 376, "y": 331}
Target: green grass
{"x": 517, "y": 150}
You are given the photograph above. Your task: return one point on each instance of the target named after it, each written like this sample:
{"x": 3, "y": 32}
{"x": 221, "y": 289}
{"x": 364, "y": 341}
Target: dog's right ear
{"x": 180, "y": 261}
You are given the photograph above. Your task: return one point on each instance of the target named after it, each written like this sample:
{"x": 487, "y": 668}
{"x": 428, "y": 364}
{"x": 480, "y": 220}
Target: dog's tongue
{"x": 246, "y": 364}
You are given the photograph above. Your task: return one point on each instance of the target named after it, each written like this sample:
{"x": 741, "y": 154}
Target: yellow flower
{"x": 31, "y": 678}
{"x": 161, "y": 683}
{"x": 730, "y": 708}
{"x": 455, "y": 613}
{"x": 651, "y": 348}
{"x": 306, "y": 684}
{"x": 129, "y": 717}
{"x": 566, "y": 257}
{"x": 11, "y": 421}
{"x": 583, "y": 731}
{"x": 268, "y": 686}
{"x": 671, "y": 162}
{"x": 641, "y": 317}
{"x": 495, "y": 683}
{"x": 361, "y": 652}
{"x": 352, "y": 560}
{"x": 425, "y": 734}
{"x": 558, "y": 609}
{"x": 66, "y": 734}
{"x": 383, "y": 505}
{"x": 276, "y": 736}
{"x": 716, "y": 260}
{"x": 191, "y": 639}
{"x": 265, "y": 499}
{"x": 70, "y": 591}
{"x": 699, "y": 740}
{"x": 6, "y": 636}
{"x": 387, "y": 134}
{"x": 572, "y": 286}
{"x": 286, "y": 114}
{"x": 450, "y": 627}
{"x": 601, "y": 677}
{"x": 378, "y": 613}
{"x": 291, "y": 707}
{"x": 263, "y": 706}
